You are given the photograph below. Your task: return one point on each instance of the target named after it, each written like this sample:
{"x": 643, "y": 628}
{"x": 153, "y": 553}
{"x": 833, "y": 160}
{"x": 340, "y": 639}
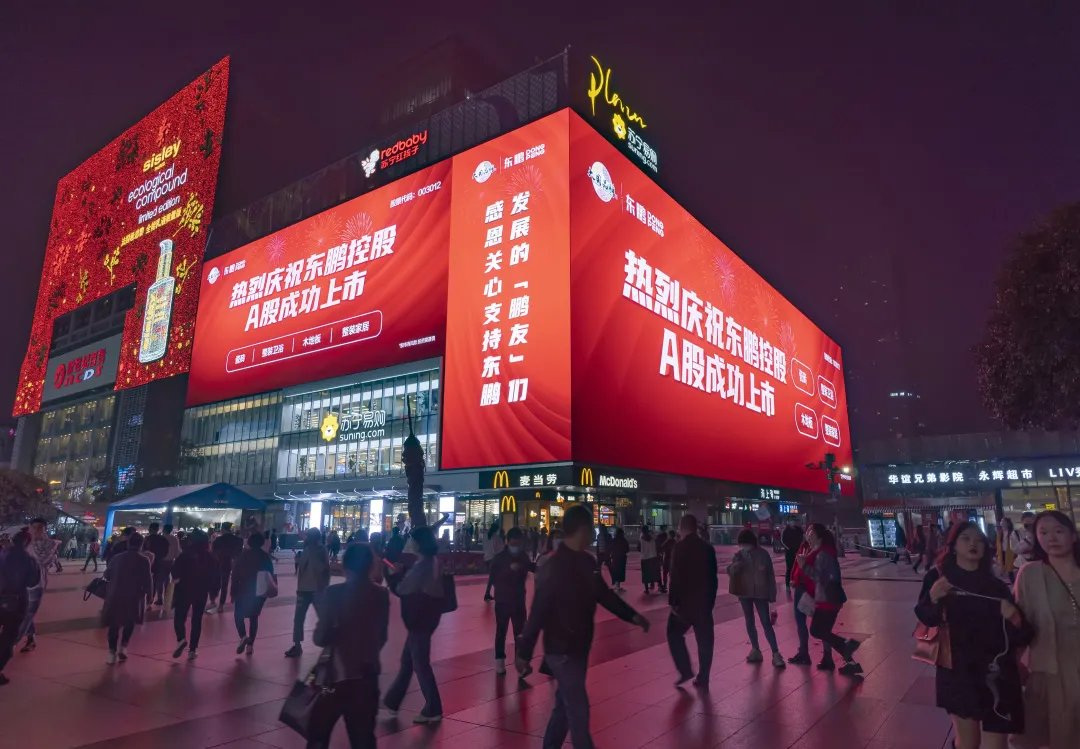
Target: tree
{"x": 1029, "y": 359}
{"x": 22, "y": 497}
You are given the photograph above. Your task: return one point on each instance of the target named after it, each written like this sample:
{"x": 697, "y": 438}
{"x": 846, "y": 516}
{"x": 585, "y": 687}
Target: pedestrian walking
{"x": 19, "y": 574}
{"x": 197, "y": 578}
{"x": 312, "y": 578}
{"x": 249, "y": 592}
{"x": 791, "y": 539}
{"x": 620, "y": 552}
{"x": 568, "y": 589}
{"x": 1048, "y": 593}
{"x": 130, "y": 587}
{"x": 43, "y": 549}
{"x": 72, "y": 547}
{"x": 158, "y": 545}
{"x": 226, "y": 548}
{"x": 1006, "y": 550}
{"x": 420, "y": 589}
{"x": 753, "y": 581}
{"x": 665, "y": 558}
{"x": 803, "y": 585}
{"x": 693, "y": 586}
{"x": 1024, "y": 541}
{"x": 828, "y": 597}
{"x": 650, "y": 562}
{"x": 118, "y": 544}
{"x": 493, "y": 544}
{"x": 395, "y": 546}
{"x": 979, "y": 686}
{"x": 333, "y": 545}
{"x": 93, "y": 550}
{"x": 918, "y": 548}
{"x": 273, "y": 544}
{"x": 354, "y": 618}
{"x": 901, "y": 542}
{"x": 509, "y": 570}
{"x": 603, "y": 548}
{"x": 532, "y": 544}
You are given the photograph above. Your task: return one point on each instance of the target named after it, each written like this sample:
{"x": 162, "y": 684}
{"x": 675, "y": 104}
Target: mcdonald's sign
{"x": 508, "y": 503}
{"x": 587, "y": 477}
{"x": 501, "y": 480}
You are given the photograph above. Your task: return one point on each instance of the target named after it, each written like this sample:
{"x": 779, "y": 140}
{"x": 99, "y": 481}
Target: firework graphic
{"x": 356, "y": 227}
{"x": 787, "y": 340}
{"x": 528, "y": 177}
{"x": 324, "y": 231}
{"x": 765, "y": 311}
{"x": 724, "y": 276}
{"x": 275, "y": 248}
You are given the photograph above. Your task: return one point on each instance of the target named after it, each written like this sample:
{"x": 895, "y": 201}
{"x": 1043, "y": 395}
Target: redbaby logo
{"x": 403, "y": 149}
{"x": 79, "y": 369}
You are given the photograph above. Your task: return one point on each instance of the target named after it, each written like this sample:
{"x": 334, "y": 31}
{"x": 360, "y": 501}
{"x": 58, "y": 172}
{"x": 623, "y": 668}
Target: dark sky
{"x": 822, "y": 141}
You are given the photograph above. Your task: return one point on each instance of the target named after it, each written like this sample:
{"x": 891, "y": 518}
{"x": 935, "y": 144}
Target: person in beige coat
{"x": 1048, "y": 592}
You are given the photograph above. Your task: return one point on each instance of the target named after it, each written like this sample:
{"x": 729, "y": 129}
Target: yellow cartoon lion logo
{"x": 329, "y": 427}
{"x": 619, "y": 125}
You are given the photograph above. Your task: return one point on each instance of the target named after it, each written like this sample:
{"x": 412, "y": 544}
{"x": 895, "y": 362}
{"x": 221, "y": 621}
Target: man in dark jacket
{"x": 509, "y": 569}
{"x": 120, "y": 546}
{"x": 226, "y": 549}
{"x": 312, "y": 578}
{"x": 692, "y": 595}
{"x": 130, "y": 585}
{"x": 792, "y": 539}
{"x": 568, "y": 588}
{"x": 158, "y": 545}
{"x": 19, "y": 572}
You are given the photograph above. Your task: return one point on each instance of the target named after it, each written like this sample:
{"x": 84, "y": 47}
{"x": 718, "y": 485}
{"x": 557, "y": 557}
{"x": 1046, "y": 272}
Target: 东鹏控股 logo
{"x": 601, "y": 182}
{"x": 329, "y": 427}
{"x": 587, "y": 477}
{"x": 483, "y": 172}
{"x": 501, "y": 481}
{"x": 213, "y": 275}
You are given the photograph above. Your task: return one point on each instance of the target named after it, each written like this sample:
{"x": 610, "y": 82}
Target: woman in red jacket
{"x": 804, "y": 586}
{"x": 823, "y": 570}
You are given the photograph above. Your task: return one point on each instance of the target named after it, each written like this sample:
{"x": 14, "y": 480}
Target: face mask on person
{"x": 514, "y": 549}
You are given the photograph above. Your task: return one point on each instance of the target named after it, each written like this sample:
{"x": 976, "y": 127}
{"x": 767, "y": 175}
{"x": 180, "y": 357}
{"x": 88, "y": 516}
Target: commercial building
{"x": 507, "y": 280}
{"x": 983, "y": 476}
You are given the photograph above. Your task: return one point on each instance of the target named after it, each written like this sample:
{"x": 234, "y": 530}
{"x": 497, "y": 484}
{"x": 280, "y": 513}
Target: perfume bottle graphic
{"x": 158, "y": 312}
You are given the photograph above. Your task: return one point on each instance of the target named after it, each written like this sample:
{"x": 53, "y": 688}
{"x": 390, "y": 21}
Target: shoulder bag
{"x": 309, "y": 709}
{"x": 932, "y": 644}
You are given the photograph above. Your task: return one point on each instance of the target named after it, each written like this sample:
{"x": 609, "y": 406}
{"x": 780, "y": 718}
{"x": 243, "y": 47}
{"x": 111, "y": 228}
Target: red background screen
{"x": 493, "y": 417}
{"x": 355, "y": 288}
{"x": 673, "y": 402}
{"x": 104, "y": 237}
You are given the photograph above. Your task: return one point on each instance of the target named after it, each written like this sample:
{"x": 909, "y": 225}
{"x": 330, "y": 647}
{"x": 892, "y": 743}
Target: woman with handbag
{"x": 979, "y": 633}
{"x": 248, "y": 599}
{"x": 1048, "y": 591}
{"x": 752, "y": 580}
{"x": 420, "y": 589}
{"x": 354, "y": 617}
{"x": 196, "y": 580}
{"x": 823, "y": 608}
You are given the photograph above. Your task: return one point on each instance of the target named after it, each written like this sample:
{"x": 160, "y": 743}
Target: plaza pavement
{"x": 63, "y": 695}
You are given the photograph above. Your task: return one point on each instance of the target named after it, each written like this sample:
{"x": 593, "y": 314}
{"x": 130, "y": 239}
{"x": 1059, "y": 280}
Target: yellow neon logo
{"x": 329, "y": 427}
{"x": 586, "y": 477}
{"x": 619, "y": 126}
{"x": 502, "y": 480}
{"x": 508, "y": 504}
{"x": 603, "y": 85}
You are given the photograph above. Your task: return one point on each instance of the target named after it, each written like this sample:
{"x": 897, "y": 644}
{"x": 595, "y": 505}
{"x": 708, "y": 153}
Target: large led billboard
{"x": 684, "y": 359}
{"x": 357, "y": 287}
{"x": 135, "y": 213}
{"x": 507, "y": 374}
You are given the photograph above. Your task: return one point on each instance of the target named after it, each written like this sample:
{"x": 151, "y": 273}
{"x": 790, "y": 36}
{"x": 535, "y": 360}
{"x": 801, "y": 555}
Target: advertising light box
{"x": 684, "y": 359}
{"x": 357, "y": 287}
{"x": 135, "y": 212}
{"x": 507, "y": 370}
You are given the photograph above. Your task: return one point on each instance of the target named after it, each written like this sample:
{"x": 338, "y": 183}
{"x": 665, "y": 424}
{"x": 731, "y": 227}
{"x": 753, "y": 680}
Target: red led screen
{"x": 135, "y": 212}
{"x": 507, "y": 371}
{"x": 357, "y": 287}
{"x": 684, "y": 359}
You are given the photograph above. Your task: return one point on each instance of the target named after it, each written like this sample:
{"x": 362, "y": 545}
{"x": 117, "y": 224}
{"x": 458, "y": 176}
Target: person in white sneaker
{"x": 753, "y": 580}
{"x": 130, "y": 586}
{"x": 509, "y": 568}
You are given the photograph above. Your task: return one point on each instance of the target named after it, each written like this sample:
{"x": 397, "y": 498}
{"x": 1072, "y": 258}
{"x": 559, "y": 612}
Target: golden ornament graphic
{"x": 329, "y": 427}
{"x": 619, "y": 125}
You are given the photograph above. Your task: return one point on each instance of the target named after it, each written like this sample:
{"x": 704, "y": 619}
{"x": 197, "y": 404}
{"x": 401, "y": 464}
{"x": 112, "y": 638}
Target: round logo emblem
{"x": 214, "y": 275}
{"x": 483, "y": 172}
{"x": 601, "y": 182}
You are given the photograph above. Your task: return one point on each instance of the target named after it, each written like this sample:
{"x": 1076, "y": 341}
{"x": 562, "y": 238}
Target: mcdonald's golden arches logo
{"x": 586, "y": 477}
{"x": 502, "y": 480}
{"x": 508, "y": 504}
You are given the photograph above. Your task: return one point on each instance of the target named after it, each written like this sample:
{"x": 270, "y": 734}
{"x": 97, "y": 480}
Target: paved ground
{"x": 63, "y": 695}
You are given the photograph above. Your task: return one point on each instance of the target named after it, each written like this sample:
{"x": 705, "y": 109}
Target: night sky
{"x": 826, "y": 143}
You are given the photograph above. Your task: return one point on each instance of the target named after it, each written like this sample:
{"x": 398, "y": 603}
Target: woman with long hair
{"x": 1048, "y": 591}
{"x": 979, "y": 685}
{"x": 197, "y": 579}
{"x": 829, "y": 598}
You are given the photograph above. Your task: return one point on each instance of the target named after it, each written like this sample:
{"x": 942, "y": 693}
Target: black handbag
{"x": 309, "y": 709}
{"x": 98, "y": 587}
{"x": 449, "y": 593}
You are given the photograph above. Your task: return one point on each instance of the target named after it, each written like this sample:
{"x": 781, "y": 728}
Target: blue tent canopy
{"x": 202, "y": 496}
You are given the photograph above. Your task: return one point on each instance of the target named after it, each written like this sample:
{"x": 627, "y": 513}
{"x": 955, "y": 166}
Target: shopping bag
{"x": 807, "y": 605}
{"x": 449, "y": 596}
{"x": 97, "y": 587}
{"x": 265, "y": 585}
{"x": 309, "y": 707}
